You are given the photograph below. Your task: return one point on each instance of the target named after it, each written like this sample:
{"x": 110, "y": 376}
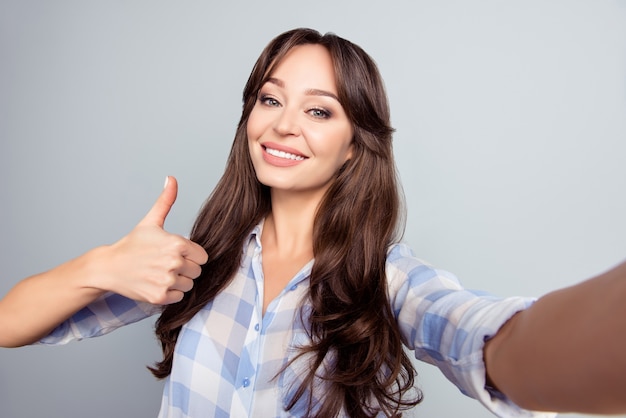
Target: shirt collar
{"x": 255, "y": 235}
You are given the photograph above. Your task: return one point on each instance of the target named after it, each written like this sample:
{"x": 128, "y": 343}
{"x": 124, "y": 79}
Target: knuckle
{"x": 160, "y": 285}
{"x": 179, "y": 244}
{"x": 177, "y": 264}
{"x": 168, "y": 281}
{"x": 173, "y": 262}
{"x": 157, "y": 298}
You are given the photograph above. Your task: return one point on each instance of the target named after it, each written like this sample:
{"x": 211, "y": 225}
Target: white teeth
{"x": 283, "y": 154}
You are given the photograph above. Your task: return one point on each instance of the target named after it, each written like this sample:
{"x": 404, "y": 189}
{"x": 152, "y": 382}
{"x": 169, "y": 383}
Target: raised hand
{"x": 150, "y": 264}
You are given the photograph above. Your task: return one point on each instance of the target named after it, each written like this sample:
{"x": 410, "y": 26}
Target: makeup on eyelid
{"x": 317, "y": 111}
{"x": 299, "y": 136}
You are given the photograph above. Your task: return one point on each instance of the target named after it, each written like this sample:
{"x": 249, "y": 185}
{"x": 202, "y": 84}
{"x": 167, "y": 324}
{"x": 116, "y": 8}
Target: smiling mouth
{"x": 283, "y": 154}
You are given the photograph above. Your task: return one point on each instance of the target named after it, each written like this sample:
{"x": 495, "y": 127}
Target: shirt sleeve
{"x": 447, "y": 325}
{"x": 100, "y": 317}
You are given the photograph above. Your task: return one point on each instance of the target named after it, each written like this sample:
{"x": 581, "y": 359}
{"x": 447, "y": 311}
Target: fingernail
{"x": 167, "y": 180}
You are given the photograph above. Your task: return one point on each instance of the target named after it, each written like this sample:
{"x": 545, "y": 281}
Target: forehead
{"x": 306, "y": 66}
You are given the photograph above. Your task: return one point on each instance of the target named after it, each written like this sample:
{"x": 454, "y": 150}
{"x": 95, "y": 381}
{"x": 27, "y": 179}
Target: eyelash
{"x": 316, "y": 112}
{"x": 265, "y": 99}
{"x": 325, "y": 114}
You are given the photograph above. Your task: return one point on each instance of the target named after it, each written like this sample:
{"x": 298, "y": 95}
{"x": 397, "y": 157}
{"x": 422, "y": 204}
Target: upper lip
{"x": 283, "y": 148}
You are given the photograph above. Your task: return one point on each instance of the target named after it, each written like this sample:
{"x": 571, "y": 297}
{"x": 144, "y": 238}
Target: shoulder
{"x": 400, "y": 255}
{"x": 403, "y": 266}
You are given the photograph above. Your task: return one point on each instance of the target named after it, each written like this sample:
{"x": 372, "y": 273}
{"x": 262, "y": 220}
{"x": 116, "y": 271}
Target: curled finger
{"x": 189, "y": 269}
{"x": 182, "y": 284}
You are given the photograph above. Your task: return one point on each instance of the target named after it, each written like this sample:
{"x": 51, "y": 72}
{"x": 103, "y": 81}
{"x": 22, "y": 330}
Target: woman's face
{"x": 298, "y": 132}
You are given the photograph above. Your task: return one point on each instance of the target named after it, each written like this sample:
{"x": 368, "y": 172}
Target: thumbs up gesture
{"x": 150, "y": 264}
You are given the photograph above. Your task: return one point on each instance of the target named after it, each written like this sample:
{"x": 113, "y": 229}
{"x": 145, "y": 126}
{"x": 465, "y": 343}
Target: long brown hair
{"x": 352, "y": 326}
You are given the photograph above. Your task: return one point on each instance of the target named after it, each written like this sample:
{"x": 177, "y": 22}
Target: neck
{"x": 289, "y": 226}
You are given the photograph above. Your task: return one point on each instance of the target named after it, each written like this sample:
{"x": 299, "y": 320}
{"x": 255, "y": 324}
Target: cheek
{"x": 258, "y": 123}
{"x": 251, "y": 126}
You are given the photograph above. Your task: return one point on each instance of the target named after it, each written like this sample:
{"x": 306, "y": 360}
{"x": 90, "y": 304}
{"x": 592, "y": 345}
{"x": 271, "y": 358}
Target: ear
{"x": 350, "y": 152}
{"x": 349, "y": 155}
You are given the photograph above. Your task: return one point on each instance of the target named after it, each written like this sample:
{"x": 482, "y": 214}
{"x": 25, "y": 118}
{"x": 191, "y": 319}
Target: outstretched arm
{"x": 148, "y": 265}
{"x": 567, "y": 352}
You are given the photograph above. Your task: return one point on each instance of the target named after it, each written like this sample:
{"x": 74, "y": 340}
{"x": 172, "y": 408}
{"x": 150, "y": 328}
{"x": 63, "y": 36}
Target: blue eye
{"x": 269, "y": 101}
{"x": 319, "y": 113}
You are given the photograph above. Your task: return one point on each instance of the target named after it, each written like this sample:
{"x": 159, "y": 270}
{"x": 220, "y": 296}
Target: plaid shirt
{"x": 229, "y": 357}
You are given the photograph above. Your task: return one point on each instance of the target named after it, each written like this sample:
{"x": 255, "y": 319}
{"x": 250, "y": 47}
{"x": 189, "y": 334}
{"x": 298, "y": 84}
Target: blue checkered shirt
{"x": 229, "y": 357}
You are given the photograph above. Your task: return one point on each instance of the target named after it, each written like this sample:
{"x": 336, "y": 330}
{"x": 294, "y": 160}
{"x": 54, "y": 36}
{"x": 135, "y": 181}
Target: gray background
{"x": 510, "y": 142}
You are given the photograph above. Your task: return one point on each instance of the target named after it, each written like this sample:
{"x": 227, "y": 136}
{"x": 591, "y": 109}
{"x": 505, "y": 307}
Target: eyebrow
{"x": 308, "y": 92}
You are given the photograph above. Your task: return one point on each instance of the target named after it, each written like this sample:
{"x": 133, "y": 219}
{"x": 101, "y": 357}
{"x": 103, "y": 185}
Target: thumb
{"x": 160, "y": 209}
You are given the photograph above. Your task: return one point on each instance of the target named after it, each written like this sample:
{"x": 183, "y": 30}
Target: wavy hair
{"x": 356, "y": 347}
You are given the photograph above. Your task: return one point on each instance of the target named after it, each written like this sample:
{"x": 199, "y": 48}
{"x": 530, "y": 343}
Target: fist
{"x": 150, "y": 264}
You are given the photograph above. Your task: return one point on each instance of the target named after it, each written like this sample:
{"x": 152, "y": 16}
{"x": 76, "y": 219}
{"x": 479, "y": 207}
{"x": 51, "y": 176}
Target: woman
{"x": 305, "y": 298}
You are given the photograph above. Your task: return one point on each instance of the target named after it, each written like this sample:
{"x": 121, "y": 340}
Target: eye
{"x": 319, "y": 113}
{"x": 268, "y": 100}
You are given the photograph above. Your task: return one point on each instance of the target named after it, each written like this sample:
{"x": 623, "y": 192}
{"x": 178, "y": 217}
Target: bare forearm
{"x": 39, "y": 303}
{"x": 566, "y": 352}
{"x": 147, "y": 265}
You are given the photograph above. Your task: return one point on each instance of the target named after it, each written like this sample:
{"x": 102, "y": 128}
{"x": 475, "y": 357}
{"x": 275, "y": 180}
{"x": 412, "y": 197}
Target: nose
{"x": 287, "y": 122}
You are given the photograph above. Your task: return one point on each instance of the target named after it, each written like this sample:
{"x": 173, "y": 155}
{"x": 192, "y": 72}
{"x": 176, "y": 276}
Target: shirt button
{"x": 257, "y": 327}
{"x": 246, "y": 382}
